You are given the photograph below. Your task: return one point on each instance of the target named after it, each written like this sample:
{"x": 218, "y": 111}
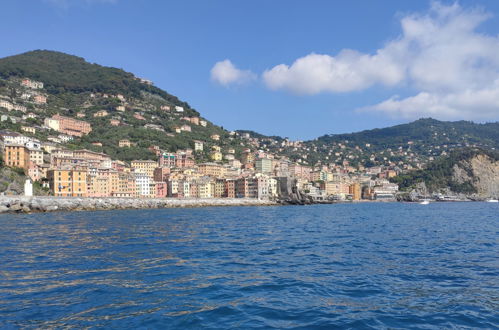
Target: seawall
{"x": 23, "y": 204}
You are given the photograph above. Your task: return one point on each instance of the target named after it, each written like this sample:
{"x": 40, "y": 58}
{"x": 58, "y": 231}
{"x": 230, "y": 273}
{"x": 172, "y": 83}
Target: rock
{"x": 16, "y": 207}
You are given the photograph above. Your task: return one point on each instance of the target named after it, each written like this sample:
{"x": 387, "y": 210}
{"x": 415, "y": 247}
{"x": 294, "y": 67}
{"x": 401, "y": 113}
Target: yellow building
{"x": 68, "y": 182}
{"x": 247, "y": 157}
{"x": 219, "y": 188}
{"x": 124, "y": 143}
{"x": 211, "y": 169}
{"x": 144, "y": 166}
{"x": 101, "y": 113}
{"x": 29, "y": 129}
{"x": 205, "y": 189}
{"x": 216, "y": 156}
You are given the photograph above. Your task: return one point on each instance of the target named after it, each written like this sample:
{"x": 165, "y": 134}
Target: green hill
{"x": 80, "y": 89}
{"x": 422, "y": 131}
{"x": 62, "y": 73}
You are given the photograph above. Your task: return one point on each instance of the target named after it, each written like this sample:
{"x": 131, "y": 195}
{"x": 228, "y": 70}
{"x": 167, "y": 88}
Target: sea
{"x": 351, "y": 266}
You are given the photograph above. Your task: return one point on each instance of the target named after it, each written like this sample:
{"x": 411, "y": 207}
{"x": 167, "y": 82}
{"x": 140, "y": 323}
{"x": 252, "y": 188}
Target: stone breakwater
{"x": 22, "y": 204}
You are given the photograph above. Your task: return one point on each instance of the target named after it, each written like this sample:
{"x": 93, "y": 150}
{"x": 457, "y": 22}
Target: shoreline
{"x": 42, "y": 204}
{"x": 38, "y": 204}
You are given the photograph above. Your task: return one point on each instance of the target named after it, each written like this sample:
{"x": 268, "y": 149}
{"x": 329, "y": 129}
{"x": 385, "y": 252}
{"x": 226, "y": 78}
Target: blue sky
{"x": 299, "y": 69}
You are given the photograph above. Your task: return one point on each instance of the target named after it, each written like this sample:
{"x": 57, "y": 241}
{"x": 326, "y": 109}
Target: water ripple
{"x": 346, "y": 266}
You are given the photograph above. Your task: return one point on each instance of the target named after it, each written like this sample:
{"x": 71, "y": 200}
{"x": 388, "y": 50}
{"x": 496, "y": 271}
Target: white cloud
{"x": 469, "y": 104}
{"x": 348, "y": 71}
{"x": 225, "y": 73}
{"x": 439, "y": 54}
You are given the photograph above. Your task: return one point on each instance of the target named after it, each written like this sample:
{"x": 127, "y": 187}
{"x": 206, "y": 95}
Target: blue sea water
{"x": 370, "y": 265}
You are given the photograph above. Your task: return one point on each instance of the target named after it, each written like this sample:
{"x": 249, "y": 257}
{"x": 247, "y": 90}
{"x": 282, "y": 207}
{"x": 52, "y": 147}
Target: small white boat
{"x": 492, "y": 201}
{"x": 424, "y": 202}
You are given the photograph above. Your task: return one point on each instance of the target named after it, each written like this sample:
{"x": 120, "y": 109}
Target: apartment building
{"x": 16, "y": 155}
{"x": 211, "y": 169}
{"x": 35, "y": 156}
{"x": 144, "y": 166}
{"x": 263, "y": 165}
{"x": 68, "y": 125}
{"x": 68, "y": 182}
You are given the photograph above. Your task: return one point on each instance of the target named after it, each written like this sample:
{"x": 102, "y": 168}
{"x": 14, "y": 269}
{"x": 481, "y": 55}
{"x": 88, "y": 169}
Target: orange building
{"x": 15, "y": 155}
{"x": 102, "y": 183}
{"x": 126, "y": 186}
{"x": 355, "y": 191}
{"x": 68, "y": 182}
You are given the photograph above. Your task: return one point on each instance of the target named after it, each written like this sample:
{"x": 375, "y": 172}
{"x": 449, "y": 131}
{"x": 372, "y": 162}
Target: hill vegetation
{"x": 62, "y": 73}
{"x": 455, "y": 172}
{"x": 424, "y": 131}
{"x": 75, "y": 88}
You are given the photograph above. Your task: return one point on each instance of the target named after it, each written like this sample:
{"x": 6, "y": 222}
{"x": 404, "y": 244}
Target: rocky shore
{"x": 22, "y": 204}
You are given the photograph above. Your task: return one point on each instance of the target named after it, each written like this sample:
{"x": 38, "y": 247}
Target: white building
{"x": 28, "y": 188}
{"x": 52, "y": 123}
{"x": 65, "y": 138}
{"x": 13, "y": 138}
{"x": 198, "y": 145}
{"x": 143, "y": 183}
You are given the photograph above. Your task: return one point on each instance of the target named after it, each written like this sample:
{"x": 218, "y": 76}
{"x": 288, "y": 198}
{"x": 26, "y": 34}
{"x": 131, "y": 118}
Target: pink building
{"x": 40, "y": 99}
{"x": 300, "y": 171}
{"x": 34, "y": 171}
{"x": 161, "y": 189}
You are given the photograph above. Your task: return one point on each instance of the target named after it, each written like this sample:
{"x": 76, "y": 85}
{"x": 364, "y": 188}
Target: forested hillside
{"x": 142, "y": 113}
{"x": 467, "y": 171}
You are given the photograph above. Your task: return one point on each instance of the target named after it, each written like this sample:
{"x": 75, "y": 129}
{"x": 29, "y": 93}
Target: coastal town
{"x": 252, "y": 171}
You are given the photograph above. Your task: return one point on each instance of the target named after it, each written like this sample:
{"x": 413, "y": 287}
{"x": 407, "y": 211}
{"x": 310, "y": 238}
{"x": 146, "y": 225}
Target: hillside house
{"x": 31, "y": 83}
{"x": 101, "y": 113}
{"x": 40, "y": 99}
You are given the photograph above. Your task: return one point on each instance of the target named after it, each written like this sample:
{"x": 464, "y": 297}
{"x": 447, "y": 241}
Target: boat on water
{"x": 425, "y": 202}
{"x": 492, "y": 201}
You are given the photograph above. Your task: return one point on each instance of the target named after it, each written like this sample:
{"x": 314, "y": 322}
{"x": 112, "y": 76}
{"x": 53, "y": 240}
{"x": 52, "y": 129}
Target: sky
{"x": 297, "y": 69}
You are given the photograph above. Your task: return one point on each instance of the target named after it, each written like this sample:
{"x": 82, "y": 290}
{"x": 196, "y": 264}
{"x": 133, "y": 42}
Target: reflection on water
{"x": 364, "y": 265}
